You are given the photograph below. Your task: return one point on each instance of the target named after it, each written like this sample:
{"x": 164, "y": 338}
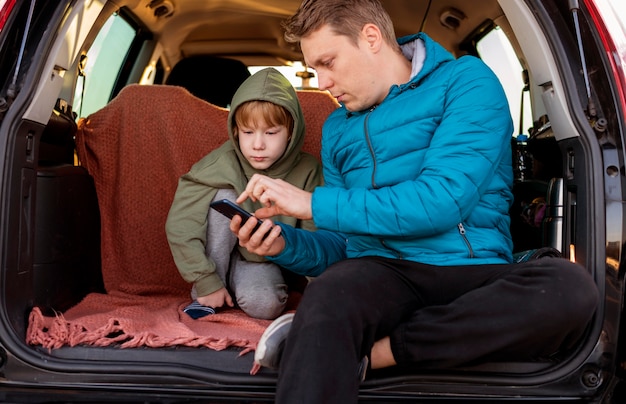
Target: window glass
{"x": 619, "y": 6}
{"x": 496, "y": 51}
{"x": 103, "y": 63}
{"x": 294, "y": 73}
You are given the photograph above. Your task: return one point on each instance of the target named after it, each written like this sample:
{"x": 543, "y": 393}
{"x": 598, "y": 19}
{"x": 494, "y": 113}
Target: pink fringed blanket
{"x": 131, "y": 321}
{"x": 136, "y": 148}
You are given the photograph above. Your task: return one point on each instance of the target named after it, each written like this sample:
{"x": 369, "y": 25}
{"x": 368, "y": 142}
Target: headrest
{"x": 211, "y": 78}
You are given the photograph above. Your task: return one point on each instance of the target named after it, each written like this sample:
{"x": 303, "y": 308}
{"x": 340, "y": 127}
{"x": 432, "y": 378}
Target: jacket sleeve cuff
{"x": 208, "y": 284}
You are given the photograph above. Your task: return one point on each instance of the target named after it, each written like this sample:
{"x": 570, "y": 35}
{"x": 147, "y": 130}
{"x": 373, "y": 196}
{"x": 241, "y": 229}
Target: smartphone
{"x": 230, "y": 209}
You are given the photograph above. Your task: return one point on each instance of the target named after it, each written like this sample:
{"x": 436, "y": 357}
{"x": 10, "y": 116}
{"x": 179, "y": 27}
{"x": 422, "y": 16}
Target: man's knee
{"x": 573, "y": 294}
{"x": 583, "y": 293}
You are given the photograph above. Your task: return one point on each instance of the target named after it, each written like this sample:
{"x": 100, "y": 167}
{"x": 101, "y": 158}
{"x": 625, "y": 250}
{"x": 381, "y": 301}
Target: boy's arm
{"x": 186, "y": 228}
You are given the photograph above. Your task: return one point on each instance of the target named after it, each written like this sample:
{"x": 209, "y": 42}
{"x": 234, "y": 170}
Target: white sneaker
{"x": 270, "y": 346}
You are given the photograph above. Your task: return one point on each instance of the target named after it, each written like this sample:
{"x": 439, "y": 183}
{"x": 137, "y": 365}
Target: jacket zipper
{"x": 467, "y": 243}
{"x": 369, "y": 144}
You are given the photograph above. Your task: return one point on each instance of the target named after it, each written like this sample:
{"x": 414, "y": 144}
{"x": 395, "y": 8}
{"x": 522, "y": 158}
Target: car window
{"x": 619, "y": 6}
{"x": 496, "y": 51}
{"x": 299, "y": 76}
{"x": 102, "y": 65}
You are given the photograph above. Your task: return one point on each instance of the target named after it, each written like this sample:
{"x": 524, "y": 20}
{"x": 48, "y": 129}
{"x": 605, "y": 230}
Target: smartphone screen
{"x": 230, "y": 209}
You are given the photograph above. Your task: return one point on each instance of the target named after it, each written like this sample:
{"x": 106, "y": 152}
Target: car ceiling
{"x": 250, "y": 30}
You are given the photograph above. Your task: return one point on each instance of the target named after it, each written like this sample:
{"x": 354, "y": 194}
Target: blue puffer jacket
{"x": 424, "y": 176}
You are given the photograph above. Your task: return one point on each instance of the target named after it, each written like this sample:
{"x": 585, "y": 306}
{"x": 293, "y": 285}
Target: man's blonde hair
{"x": 345, "y": 17}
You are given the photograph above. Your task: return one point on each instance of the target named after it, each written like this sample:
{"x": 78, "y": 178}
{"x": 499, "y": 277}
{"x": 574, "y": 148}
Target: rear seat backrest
{"x": 136, "y": 148}
{"x": 316, "y": 106}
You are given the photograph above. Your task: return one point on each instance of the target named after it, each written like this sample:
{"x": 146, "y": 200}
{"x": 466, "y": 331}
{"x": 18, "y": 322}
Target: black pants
{"x": 435, "y": 316}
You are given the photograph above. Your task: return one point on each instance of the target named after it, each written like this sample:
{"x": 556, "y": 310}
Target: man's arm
{"x": 309, "y": 253}
{"x": 298, "y": 250}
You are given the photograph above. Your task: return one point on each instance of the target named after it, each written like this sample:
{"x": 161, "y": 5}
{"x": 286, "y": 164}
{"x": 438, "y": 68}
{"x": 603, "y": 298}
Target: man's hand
{"x": 278, "y": 198}
{"x": 266, "y": 241}
{"x": 216, "y": 299}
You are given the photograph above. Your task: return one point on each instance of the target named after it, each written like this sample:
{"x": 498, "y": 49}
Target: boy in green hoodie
{"x": 266, "y": 134}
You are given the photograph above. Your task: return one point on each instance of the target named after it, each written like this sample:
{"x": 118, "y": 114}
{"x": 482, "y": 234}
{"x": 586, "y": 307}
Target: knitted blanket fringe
{"x": 56, "y": 332}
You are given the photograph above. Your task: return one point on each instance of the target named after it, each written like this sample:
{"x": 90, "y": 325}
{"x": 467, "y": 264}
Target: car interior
{"x": 139, "y": 90}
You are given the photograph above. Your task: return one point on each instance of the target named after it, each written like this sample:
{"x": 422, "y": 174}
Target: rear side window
{"x": 102, "y": 65}
{"x": 496, "y": 51}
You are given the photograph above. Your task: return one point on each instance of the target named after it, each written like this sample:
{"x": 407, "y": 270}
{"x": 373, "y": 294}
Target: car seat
{"x": 316, "y": 106}
{"x": 136, "y": 156}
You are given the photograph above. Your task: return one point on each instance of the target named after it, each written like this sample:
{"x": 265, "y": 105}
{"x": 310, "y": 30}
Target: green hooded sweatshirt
{"x": 226, "y": 167}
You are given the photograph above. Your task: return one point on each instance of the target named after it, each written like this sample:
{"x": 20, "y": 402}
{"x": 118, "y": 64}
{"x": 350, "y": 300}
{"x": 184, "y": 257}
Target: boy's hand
{"x": 216, "y": 299}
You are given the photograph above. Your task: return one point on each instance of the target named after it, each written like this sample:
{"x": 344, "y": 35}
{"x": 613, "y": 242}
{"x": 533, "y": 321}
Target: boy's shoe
{"x": 196, "y": 310}
{"x": 270, "y": 347}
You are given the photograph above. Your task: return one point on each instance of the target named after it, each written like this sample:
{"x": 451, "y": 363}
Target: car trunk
{"x": 53, "y": 232}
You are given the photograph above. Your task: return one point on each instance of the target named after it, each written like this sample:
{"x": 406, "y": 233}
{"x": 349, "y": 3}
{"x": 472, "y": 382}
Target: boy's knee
{"x": 263, "y": 304}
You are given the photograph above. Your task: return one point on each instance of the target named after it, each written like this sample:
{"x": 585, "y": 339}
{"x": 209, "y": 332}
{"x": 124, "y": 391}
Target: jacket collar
{"x": 424, "y": 53}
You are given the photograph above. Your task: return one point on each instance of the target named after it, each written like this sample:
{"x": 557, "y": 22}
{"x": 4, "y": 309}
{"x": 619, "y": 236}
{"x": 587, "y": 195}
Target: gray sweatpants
{"x": 258, "y": 288}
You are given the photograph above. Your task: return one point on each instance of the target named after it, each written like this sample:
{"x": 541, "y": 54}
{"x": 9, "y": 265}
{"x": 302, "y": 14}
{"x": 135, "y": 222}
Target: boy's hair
{"x": 345, "y": 17}
{"x": 252, "y": 113}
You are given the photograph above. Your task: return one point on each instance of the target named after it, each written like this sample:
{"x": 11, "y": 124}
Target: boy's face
{"x": 263, "y": 145}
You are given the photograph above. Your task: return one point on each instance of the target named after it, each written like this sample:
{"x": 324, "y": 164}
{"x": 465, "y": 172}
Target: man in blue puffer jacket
{"x": 413, "y": 248}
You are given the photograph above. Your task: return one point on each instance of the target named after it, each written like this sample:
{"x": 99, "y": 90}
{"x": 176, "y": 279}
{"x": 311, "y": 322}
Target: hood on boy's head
{"x": 270, "y": 85}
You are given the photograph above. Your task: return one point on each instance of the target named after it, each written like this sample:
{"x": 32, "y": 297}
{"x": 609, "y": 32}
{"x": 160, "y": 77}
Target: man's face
{"x": 346, "y": 70}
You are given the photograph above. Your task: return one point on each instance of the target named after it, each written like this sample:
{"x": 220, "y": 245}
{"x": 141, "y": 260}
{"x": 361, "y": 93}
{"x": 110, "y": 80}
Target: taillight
{"x": 612, "y": 32}
{"x": 5, "y": 9}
